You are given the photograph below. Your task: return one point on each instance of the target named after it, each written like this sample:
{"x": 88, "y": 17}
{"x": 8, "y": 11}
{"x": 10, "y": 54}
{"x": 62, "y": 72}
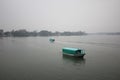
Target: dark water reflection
{"x": 76, "y": 61}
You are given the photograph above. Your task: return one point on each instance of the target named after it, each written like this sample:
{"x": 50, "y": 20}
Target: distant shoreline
{"x": 25, "y": 33}
{"x": 105, "y": 33}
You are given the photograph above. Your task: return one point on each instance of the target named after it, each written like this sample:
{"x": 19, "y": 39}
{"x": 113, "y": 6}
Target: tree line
{"x": 24, "y": 32}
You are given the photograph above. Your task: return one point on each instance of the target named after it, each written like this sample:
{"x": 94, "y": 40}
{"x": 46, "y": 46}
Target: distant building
{"x": 7, "y": 34}
{"x": 1, "y": 32}
{"x": 21, "y": 32}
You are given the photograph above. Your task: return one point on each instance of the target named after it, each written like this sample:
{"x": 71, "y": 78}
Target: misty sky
{"x": 60, "y": 15}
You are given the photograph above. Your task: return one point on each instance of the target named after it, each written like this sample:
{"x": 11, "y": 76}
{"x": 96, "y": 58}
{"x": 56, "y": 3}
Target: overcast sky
{"x": 60, "y": 15}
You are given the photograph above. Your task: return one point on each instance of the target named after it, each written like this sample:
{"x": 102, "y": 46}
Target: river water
{"x": 35, "y": 58}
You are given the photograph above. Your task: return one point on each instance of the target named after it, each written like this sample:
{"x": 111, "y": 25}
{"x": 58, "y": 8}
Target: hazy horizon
{"x": 60, "y": 15}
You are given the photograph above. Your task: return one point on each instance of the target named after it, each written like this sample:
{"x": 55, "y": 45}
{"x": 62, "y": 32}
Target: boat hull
{"x": 76, "y": 52}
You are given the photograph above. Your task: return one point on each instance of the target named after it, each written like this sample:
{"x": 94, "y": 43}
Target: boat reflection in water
{"x": 74, "y": 60}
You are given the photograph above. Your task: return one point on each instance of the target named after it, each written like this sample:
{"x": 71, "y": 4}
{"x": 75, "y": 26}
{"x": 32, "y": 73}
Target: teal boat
{"x": 51, "y": 39}
{"x": 73, "y": 52}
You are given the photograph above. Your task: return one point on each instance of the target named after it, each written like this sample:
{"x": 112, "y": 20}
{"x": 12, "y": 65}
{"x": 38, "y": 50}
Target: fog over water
{"x": 35, "y": 58}
{"x": 61, "y": 15}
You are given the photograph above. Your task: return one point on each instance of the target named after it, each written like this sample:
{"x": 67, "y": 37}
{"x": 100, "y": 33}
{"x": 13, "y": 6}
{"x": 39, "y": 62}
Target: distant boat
{"x": 76, "y": 52}
{"x": 51, "y": 39}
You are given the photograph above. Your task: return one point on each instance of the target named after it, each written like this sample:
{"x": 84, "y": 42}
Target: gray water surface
{"x": 35, "y": 58}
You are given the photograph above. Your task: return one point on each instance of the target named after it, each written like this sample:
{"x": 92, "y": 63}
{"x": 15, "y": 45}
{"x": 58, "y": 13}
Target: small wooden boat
{"x": 73, "y": 52}
{"x": 51, "y": 39}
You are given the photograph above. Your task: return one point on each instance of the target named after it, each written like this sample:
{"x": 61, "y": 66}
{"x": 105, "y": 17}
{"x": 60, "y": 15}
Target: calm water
{"x": 35, "y": 58}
